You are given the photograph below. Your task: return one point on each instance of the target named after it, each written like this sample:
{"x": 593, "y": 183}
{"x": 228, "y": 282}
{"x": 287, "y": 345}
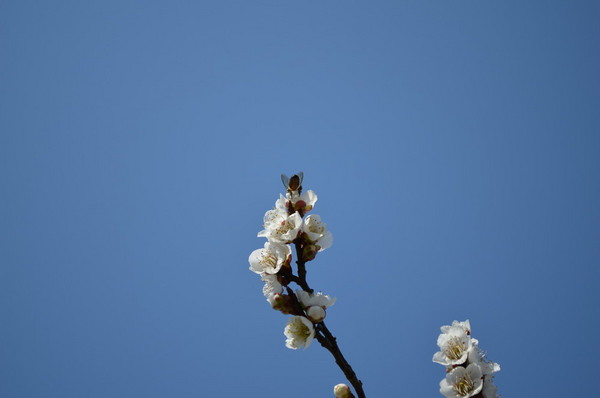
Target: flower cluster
{"x": 468, "y": 372}
{"x": 286, "y": 225}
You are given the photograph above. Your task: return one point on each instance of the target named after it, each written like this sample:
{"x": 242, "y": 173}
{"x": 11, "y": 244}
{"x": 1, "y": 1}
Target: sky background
{"x": 454, "y": 147}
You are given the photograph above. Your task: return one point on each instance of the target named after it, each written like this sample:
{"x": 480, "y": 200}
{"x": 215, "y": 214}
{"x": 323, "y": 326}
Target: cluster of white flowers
{"x": 286, "y": 225}
{"x": 468, "y": 372}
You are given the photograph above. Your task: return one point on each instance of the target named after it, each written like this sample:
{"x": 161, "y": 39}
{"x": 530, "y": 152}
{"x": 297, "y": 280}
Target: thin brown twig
{"x": 322, "y": 334}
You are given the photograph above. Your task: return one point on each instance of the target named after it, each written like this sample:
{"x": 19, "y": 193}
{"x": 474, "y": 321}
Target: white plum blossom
{"x": 316, "y": 232}
{"x": 306, "y": 201}
{"x": 299, "y": 332}
{"x": 462, "y": 382}
{"x": 309, "y": 197}
{"x": 314, "y": 304}
{"x": 270, "y": 259}
{"x": 318, "y": 299}
{"x": 454, "y": 344}
{"x": 280, "y": 226}
{"x": 271, "y": 288}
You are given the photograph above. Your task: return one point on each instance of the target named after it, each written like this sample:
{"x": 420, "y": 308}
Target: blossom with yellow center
{"x": 455, "y": 345}
{"x": 270, "y": 259}
{"x": 299, "y": 332}
{"x": 462, "y": 382}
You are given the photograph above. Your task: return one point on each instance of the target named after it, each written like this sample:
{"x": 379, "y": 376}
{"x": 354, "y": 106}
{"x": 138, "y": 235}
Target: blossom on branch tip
{"x": 299, "y": 332}
{"x": 270, "y": 259}
{"x": 454, "y": 344}
{"x": 300, "y": 203}
{"x": 305, "y": 202}
{"x": 462, "y": 382}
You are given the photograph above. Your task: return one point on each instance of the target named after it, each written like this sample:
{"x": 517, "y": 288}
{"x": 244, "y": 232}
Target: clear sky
{"x": 454, "y": 146}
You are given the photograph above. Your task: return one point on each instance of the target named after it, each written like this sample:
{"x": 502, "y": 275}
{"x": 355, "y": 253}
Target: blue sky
{"x": 453, "y": 145}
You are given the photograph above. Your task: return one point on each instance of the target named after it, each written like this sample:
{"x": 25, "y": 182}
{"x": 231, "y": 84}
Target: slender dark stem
{"x": 323, "y": 335}
{"x": 302, "y": 268}
{"x": 300, "y": 282}
{"x": 329, "y": 342}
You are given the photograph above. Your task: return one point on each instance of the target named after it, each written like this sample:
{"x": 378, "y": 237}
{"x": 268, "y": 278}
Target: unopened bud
{"x": 315, "y": 313}
{"x": 309, "y": 252}
{"x": 283, "y": 303}
{"x": 342, "y": 391}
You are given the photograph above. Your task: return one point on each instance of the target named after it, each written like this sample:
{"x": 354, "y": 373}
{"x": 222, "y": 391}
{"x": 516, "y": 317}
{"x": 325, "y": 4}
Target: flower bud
{"x": 315, "y": 313}
{"x": 309, "y": 252}
{"x": 342, "y": 391}
{"x": 283, "y": 303}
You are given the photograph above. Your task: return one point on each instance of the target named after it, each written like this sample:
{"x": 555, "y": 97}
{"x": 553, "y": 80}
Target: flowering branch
{"x": 287, "y": 225}
{"x": 468, "y": 372}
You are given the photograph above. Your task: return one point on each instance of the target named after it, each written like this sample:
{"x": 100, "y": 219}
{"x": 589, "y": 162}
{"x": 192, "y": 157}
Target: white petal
{"x": 320, "y": 299}
{"x": 270, "y": 259}
{"x": 299, "y": 332}
{"x": 326, "y": 241}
